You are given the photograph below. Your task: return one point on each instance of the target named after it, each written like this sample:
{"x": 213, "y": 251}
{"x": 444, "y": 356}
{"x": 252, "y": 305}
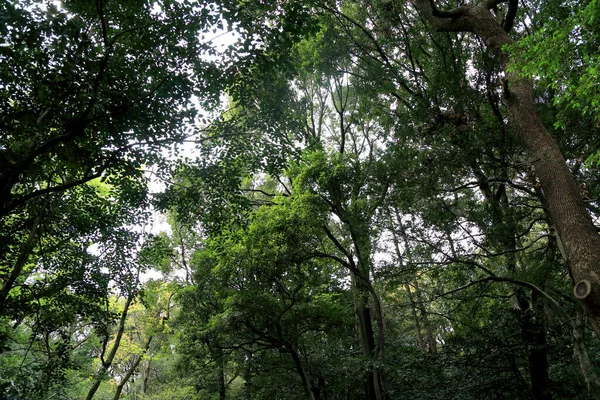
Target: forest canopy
{"x": 366, "y": 200}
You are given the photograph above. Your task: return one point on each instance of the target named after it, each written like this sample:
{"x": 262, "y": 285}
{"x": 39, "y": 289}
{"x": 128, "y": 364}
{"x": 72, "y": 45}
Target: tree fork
{"x": 574, "y": 225}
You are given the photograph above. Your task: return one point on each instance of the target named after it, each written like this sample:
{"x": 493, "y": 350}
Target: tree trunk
{"x": 9, "y": 282}
{"x": 132, "y": 369}
{"x": 125, "y": 379}
{"x": 431, "y": 343}
{"x": 359, "y": 265}
{"x": 221, "y": 372}
{"x": 366, "y": 335}
{"x": 580, "y": 350}
{"x": 373, "y": 347}
{"x": 106, "y": 363}
{"x": 413, "y": 310}
{"x": 574, "y": 226}
{"x": 303, "y": 376}
{"x": 532, "y": 322}
{"x": 533, "y": 334}
{"x": 146, "y": 376}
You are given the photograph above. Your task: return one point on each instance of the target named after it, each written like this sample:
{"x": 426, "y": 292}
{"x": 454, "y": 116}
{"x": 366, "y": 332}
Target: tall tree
{"x": 574, "y": 227}
{"x": 91, "y": 90}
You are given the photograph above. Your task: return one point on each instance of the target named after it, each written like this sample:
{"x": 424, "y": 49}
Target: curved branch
{"x": 444, "y": 20}
{"x": 455, "y": 13}
{"x": 53, "y": 189}
{"x": 9, "y": 282}
{"x": 518, "y": 282}
{"x": 337, "y": 259}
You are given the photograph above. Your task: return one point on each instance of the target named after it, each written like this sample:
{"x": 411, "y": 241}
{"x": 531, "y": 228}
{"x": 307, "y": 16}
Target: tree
{"x": 262, "y": 290}
{"x": 441, "y": 122}
{"x": 145, "y": 335}
{"x": 568, "y": 36}
{"x": 63, "y": 289}
{"x": 108, "y": 356}
{"x": 91, "y": 91}
{"x": 392, "y": 203}
{"x": 574, "y": 227}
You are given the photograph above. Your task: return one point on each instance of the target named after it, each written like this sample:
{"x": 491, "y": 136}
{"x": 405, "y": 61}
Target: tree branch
{"x": 23, "y": 256}
{"x": 509, "y": 19}
{"x": 455, "y": 13}
{"x": 518, "y": 282}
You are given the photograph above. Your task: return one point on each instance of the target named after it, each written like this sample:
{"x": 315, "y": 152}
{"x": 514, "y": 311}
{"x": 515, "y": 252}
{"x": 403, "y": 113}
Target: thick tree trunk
{"x": 574, "y": 227}
{"x": 367, "y": 305}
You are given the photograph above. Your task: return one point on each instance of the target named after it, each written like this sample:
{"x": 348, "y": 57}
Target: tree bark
{"x": 366, "y": 335}
{"x": 532, "y": 322}
{"x": 373, "y": 347}
{"x": 359, "y": 266}
{"x": 574, "y": 226}
{"x": 413, "y": 310}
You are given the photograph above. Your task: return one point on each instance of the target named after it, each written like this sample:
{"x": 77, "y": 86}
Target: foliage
{"x": 357, "y": 221}
{"x": 569, "y": 37}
